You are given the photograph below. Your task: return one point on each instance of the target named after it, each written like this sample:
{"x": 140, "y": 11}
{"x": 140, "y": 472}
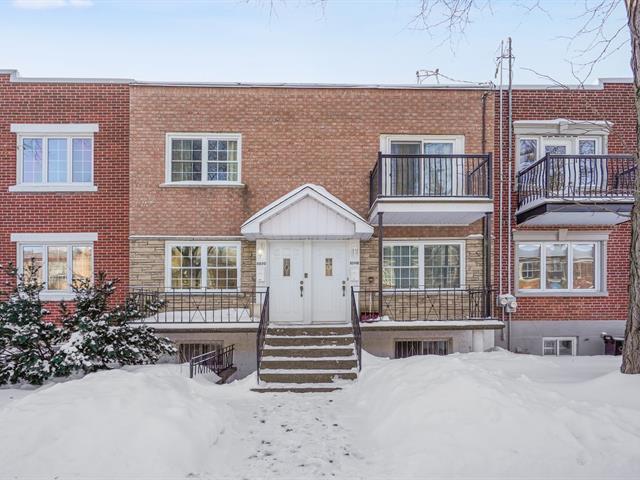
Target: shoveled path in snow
{"x": 296, "y": 436}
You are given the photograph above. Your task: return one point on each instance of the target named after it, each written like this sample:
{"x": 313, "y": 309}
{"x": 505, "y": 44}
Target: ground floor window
{"x": 423, "y": 265}
{"x": 559, "y": 346}
{"x": 558, "y": 266}
{"x": 409, "y": 348}
{"x": 60, "y": 265}
{"x": 208, "y": 265}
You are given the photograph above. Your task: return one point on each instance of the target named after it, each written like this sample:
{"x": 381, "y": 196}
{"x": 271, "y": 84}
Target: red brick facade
{"x": 614, "y": 103}
{"x": 106, "y": 211}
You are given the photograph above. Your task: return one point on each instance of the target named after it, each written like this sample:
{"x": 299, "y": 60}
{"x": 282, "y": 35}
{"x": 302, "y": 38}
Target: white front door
{"x": 308, "y": 281}
{"x": 330, "y": 295}
{"x": 286, "y": 276}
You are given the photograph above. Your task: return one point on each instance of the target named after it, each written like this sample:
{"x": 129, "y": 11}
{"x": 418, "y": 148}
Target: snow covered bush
{"x": 26, "y": 339}
{"x": 96, "y": 337}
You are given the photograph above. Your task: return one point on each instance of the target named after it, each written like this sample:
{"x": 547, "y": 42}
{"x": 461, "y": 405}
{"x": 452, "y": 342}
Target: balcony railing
{"x": 430, "y": 176}
{"x": 578, "y": 177}
{"x": 199, "y": 306}
{"x": 425, "y": 304}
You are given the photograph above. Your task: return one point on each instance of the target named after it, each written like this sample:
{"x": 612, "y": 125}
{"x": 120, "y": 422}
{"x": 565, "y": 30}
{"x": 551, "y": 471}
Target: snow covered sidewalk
{"x": 489, "y": 415}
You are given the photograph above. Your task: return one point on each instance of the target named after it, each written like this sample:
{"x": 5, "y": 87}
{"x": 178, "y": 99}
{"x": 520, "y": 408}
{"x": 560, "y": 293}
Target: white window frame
{"x": 40, "y": 241}
{"x": 598, "y": 258}
{"x": 46, "y": 132}
{"x": 544, "y": 140}
{"x": 421, "y": 244}
{"x": 557, "y": 340}
{"x": 204, "y": 137}
{"x": 203, "y": 264}
{"x": 457, "y": 140}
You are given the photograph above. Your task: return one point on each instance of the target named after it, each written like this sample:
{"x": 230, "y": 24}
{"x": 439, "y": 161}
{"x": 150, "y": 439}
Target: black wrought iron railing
{"x": 262, "y": 332}
{"x": 424, "y": 304}
{"x": 577, "y": 177}
{"x": 215, "y": 361}
{"x": 355, "y": 323}
{"x": 430, "y": 176}
{"x": 199, "y": 306}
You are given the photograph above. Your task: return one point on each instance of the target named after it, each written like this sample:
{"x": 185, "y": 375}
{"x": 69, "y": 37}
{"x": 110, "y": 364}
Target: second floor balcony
{"x": 577, "y": 190}
{"x": 451, "y": 189}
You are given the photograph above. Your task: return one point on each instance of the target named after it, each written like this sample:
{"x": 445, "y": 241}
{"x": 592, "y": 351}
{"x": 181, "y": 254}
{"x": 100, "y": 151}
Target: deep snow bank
{"x": 139, "y": 421}
{"x": 499, "y": 415}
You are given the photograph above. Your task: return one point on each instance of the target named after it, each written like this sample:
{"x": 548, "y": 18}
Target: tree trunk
{"x": 631, "y": 351}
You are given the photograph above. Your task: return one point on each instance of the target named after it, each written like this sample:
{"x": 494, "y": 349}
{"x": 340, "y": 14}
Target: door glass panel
{"x": 557, "y": 266}
{"x": 439, "y": 173}
{"x": 552, "y": 149}
{"x": 286, "y": 267}
{"x": 528, "y": 152}
{"x": 404, "y": 173}
{"x": 328, "y": 267}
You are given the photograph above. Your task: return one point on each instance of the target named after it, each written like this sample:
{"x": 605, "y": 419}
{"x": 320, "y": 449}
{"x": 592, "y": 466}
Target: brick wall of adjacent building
{"x": 106, "y": 211}
{"x": 614, "y": 103}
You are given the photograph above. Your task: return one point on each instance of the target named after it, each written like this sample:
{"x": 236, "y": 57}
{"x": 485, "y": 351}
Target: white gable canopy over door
{"x": 308, "y": 212}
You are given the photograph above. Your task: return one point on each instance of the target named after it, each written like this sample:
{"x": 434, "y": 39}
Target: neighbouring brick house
{"x": 64, "y": 179}
{"x": 300, "y": 222}
{"x": 573, "y": 177}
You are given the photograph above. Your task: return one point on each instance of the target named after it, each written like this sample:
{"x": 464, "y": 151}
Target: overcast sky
{"x": 343, "y": 41}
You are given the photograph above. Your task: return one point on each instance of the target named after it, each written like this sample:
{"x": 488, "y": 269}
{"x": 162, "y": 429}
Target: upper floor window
{"x": 54, "y": 157}
{"x": 428, "y": 265}
{"x": 207, "y": 158}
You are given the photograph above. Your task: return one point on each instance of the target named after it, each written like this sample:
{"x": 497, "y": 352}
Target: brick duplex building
{"x": 319, "y": 219}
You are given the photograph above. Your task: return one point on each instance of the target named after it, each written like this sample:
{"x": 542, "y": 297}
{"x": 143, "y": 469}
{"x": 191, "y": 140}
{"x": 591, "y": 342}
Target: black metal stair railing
{"x": 215, "y": 361}
{"x": 263, "y": 326}
{"x": 357, "y": 331}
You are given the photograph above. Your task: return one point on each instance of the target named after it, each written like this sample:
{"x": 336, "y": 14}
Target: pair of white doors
{"x": 308, "y": 281}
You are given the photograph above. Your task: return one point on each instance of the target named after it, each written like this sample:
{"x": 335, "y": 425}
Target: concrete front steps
{"x": 307, "y": 359}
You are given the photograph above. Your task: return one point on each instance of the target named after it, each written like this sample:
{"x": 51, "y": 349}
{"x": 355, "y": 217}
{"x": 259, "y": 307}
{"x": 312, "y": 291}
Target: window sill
{"x": 562, "y": 294}
{"x": 202, "y": 184}
{"x": 66, "y": 187}
{"x": 56, "y": 296}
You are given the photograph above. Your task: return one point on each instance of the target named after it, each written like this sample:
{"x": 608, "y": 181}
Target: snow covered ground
{"x": 486, "y": 415}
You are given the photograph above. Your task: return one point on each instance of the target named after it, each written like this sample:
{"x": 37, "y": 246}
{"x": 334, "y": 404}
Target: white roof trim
{"x": 55, "y": 127}
{"x": 54, "y": 237}
{"x": 562, "y": 126}
{"x": 251, "y": 228}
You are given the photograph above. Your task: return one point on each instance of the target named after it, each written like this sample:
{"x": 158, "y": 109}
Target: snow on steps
{"x": 307, "y": 359}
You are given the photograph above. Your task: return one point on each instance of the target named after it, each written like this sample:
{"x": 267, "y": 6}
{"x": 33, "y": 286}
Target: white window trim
{"x": 204, "y": 137}
{"x": 42, "y": 242}
{"x": 45, "y": 185}
{"x": 203, "y": 264}
{"x": 420, "y": 244}
{"x": 457, "y": 140}
{"x": 543, "y": 140}
{"x": 557, "y": 340}
{"x": 600, "y": 260}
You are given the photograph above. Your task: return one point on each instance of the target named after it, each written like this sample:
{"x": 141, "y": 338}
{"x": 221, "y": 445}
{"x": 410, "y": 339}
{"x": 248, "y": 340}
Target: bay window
{"x": 559, "y": 266}
{"x": 203, "y": 265}
{"x": 207, "y": 158}
{"x": 429, "y": 265}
